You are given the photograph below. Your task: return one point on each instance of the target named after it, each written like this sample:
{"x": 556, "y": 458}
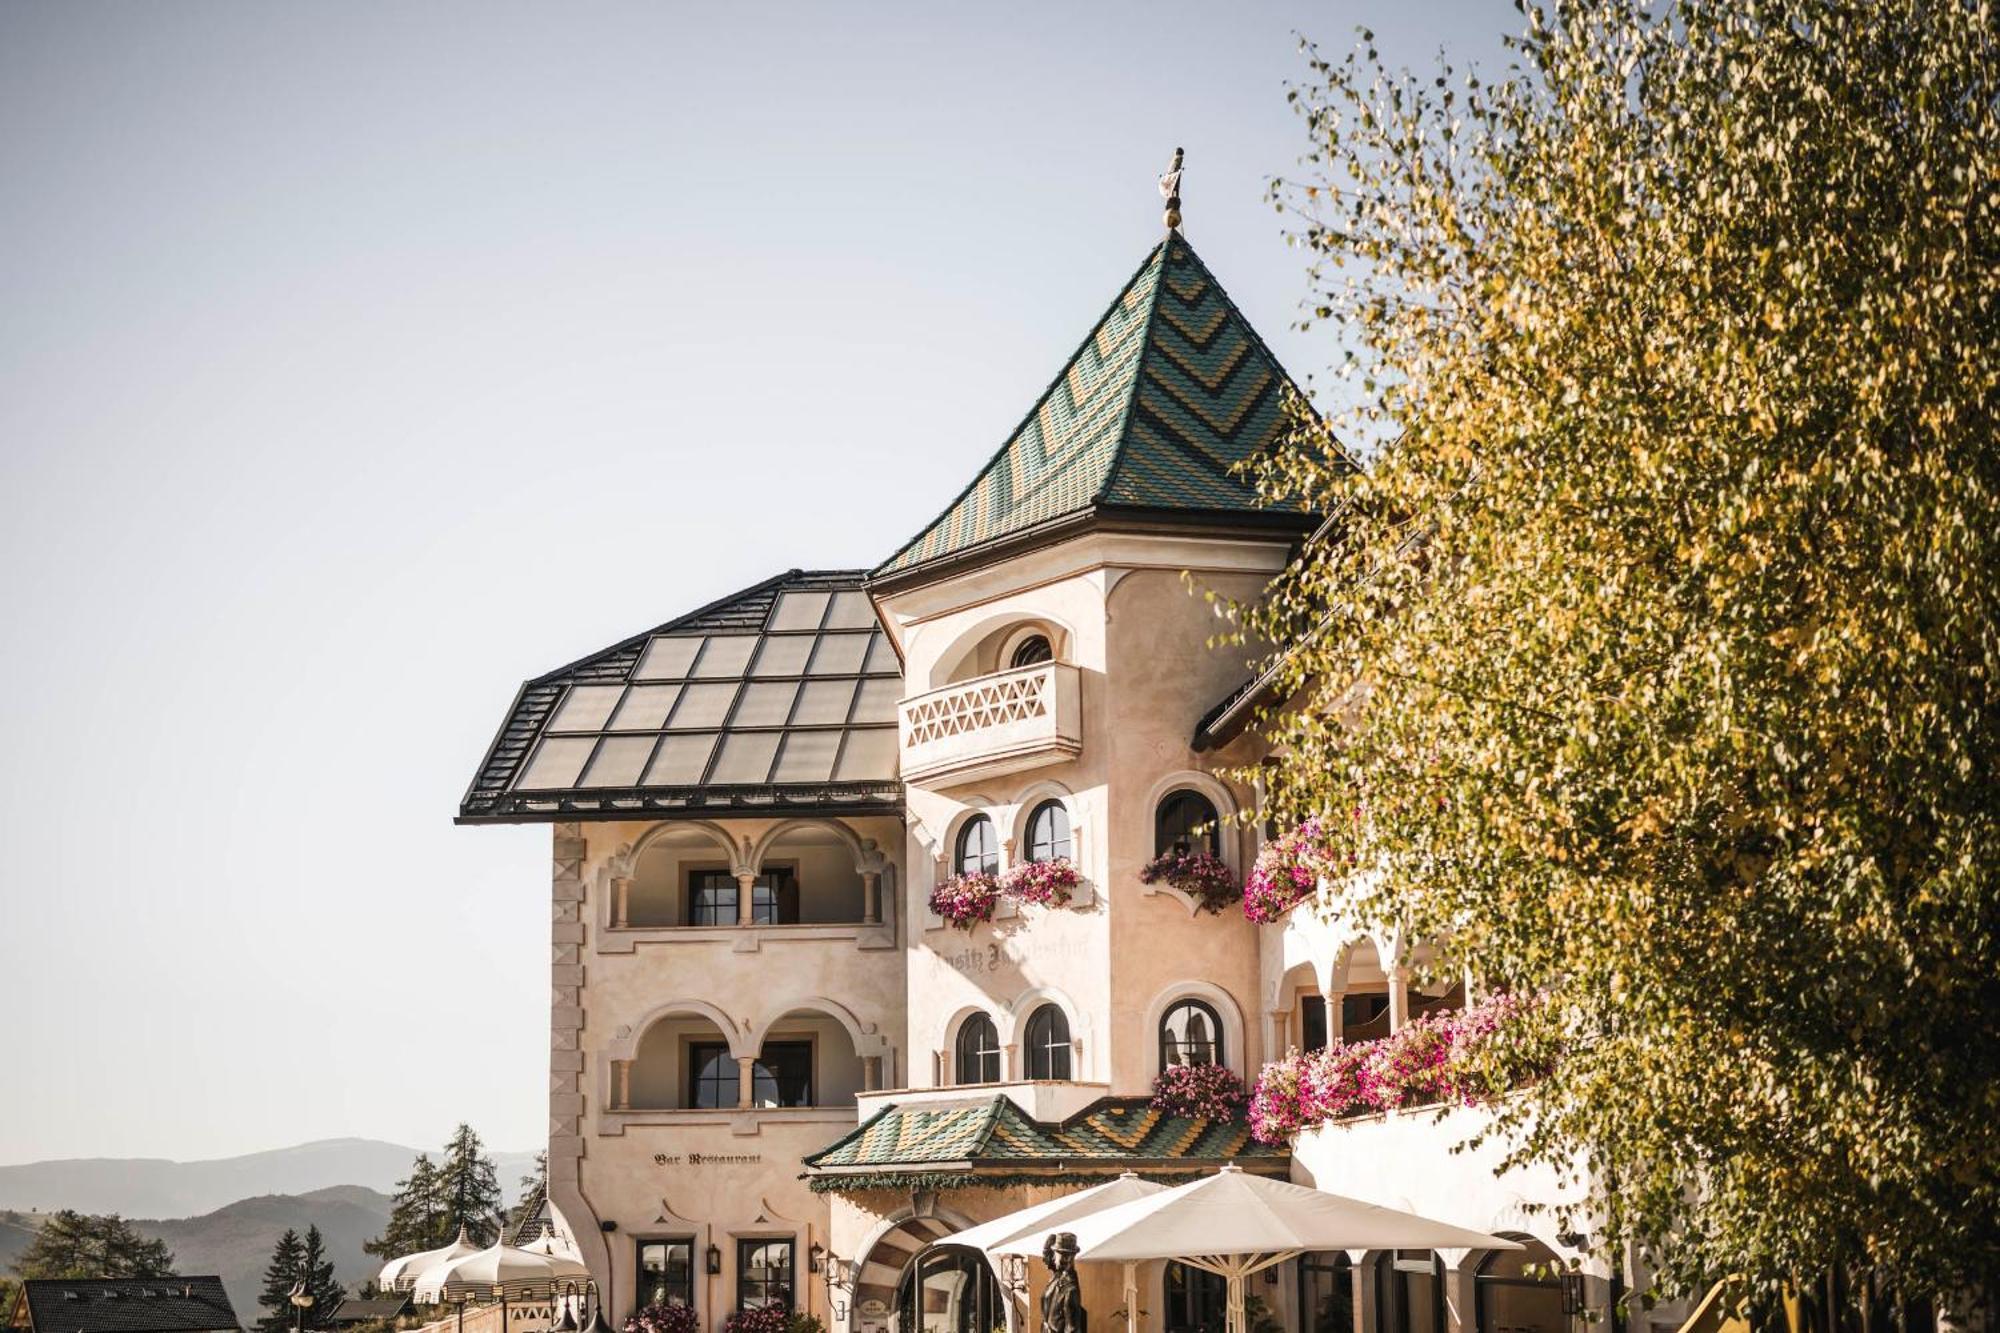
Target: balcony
{"x": 1002, "y": 723}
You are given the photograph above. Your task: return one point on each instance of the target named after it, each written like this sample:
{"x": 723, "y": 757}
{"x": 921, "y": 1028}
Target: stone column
{"x": 621, "y": 1085}
{"x": 1363, "y": 1271}
{"x": 746, "y": 892}
{"x": 871, "y": 1073}
{"x": 746, "y": 1080}
{"x": 1399, "y": 998}
{"x": 871, "y": 897}
{"x": 621, "y": 902}
{"x": 1335, "y": 1000}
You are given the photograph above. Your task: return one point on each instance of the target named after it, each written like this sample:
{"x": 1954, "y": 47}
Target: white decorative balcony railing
{"x": 1000, "y": 723}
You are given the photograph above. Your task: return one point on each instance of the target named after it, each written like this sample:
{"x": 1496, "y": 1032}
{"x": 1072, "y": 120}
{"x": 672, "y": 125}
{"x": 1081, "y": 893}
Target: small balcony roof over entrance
{"x": 1146, "y": 423}
{"x": 778, "y": 700}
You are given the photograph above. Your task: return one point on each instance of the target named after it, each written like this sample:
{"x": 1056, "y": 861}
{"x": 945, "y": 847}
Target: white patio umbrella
{"x": 1039, "y": 1219}
{"x": 1236, "y": 1224}
{"x": 402, "y": 1272}
{"x": 500, "y": 1269}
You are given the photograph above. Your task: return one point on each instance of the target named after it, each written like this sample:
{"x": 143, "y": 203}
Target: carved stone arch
{"x": 731, "y": 847}
{"x": 945, "y": 1038}
{"x": 847, "y": 836}
{"x": 945, "y": 664}
{"x": 1030, "y": 798}
{"x": 624, "y": 1044}
{"x": 1015, "y": 1018}
{"x": 1234, "y": 1032}
{"x": 888, "y": 1250}
{"x": 868, "y": 1039}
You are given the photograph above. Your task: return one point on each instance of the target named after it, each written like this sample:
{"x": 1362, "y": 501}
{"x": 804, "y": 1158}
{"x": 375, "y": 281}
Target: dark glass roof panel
{"x": 780, "y": 698}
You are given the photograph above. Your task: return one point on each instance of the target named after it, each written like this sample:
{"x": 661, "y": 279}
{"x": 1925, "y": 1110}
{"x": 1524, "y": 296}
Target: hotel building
{"x": 775, "y": 1074}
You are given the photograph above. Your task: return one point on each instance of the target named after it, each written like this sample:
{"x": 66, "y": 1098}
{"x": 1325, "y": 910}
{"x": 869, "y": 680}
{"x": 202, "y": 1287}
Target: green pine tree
{"x": 416, "y": 1219}
{"x": 317, "y": 1270}
{"x": 287, "y": 1265}
{"x": 469, "y": 1187}
{"x": 73, "y": 1245}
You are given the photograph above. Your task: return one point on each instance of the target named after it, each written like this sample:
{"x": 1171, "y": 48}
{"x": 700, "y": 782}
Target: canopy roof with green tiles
{"x": 1170, "y": 391}
{"x": 941, "y": 1145}
{"x": 780, "y": 699}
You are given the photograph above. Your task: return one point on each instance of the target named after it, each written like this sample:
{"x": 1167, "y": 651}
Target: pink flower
{"x": 1199, "y": 1091}
{"x": 1288, "y": 871}
{"x": 1050, "y": 883}
{"x": 663, "y": 1319}
{"x": 966, "y": 900}
{"x": 1199, "y": 875}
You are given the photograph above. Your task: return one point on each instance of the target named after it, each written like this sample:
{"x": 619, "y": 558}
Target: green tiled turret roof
{"x": 980, "y": 1137}
{"x": 1169, "y": 392}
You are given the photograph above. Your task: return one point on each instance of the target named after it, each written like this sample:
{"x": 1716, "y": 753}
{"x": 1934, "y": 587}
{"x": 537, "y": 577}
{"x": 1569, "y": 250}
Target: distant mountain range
{"x": 155, "y": 1187}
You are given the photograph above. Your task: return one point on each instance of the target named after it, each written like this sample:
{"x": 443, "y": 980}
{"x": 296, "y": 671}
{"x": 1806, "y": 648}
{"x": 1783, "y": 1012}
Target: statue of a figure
{"x": 1062, "y": 1303}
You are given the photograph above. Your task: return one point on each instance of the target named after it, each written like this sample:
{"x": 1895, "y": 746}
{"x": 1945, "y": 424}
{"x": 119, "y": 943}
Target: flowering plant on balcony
{"x": 772, "y": 1318}
{"x": 658, "y": 1318}
{"x": 966, "y": 900}
{"x": 1050, "y": 883}
{"x": 1201, "y": 1091}
{"x": 1287, "y": 872}
{"x": 1438, "y": 1057}
{"x": 1199, "y": 875}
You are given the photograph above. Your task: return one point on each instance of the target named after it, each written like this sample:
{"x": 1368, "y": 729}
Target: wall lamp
{"x": 714, "y": 1260}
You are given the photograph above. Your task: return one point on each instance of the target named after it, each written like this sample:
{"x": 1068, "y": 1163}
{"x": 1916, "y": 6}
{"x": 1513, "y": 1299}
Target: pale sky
{"x": 358, "y": 361}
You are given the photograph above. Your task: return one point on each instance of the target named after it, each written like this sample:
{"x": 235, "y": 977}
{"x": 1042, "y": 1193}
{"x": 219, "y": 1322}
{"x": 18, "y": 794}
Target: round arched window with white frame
{"x": 1045, "y": 1042}
{"x": 1049, "y": 833}
{"x": 1191, "y": 1034}
{"x": 976, "y": 1055}
{"x": 978, "y": 849}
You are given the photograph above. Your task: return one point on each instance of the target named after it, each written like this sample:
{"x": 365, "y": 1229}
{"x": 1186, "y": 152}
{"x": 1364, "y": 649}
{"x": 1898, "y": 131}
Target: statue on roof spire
{"x": 1170, "y": 190}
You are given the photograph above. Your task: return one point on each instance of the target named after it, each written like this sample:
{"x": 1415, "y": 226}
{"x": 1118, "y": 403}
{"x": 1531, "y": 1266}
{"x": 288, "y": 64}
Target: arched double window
{"x": 977, "y": 1058}
{"x": 1190, "y": 1034}
{"x": 978, "y": 847}
{"x": 1048, "y": 832}
{"x": 1045, "y": 1043}
{"x": 1186, "y": 822}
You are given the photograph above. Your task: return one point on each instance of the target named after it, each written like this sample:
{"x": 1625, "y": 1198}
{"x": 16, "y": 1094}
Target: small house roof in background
{"x": 356, "y": 1310}
{"x": 127, "y": 1305}
{"x": 779, "y": 699}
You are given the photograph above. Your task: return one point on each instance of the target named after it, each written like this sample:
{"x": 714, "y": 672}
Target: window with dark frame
{"x": 1048, "y": 832}
{"x": 1046, "y": 1042}
{"x": 1409, "y": 1293}
{"x": 1190, "y": 1034}
{"x": 1187, "y": 822}
{"x": 1326, "y": 1293}
{"x": 774, "y": 898}
{"x": 763, "y": 1273}
{"x": 783, "y": 1075}
{"x": 666, "y": 1271}
{"x": 712, "y": 1075}
{"x": 978, "y": 847}
{"x": 1197, "y": 1300}
{"x": 978, "y": 1051}
{"x": 1032, "y": 651}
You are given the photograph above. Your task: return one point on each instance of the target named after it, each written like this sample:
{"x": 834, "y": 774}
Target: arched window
{"x": 1190, "y": 1034}
{"x": 1187, "y": 822}
{"x": 1409, "y": 1292}
{"x": 978, "y": 847}
{"x": 1326, "y": 1293}
{"x": 1032, "y": 651}
{"x": 978, "y": 1056}
{"x": 1048, "y": 832}
{"x": 1047, "y": 1043}
{"x": 1520, "y": 1290}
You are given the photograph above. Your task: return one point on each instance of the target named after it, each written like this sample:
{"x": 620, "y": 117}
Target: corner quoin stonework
{"x": 566, "y": 1045}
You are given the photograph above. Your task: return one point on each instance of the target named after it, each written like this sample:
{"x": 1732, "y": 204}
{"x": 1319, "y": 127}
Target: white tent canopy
{"x": 1005, "y": 1234}
{"x": 402, "y": 1272}
{"x": 1236, "y": 1224}
{"x": 499, "y": 1269}
{"x": 1039, "y": 1219}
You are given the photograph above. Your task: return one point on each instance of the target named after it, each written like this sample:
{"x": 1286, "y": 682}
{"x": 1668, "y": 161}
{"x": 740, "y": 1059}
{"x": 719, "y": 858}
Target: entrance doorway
{"x": 949, "y": 1289}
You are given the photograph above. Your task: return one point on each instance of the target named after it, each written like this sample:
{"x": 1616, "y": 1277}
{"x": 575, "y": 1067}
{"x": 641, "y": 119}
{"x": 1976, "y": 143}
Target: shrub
{"x": 663, "y": 1319}
{"x": 772, "y": 1318}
